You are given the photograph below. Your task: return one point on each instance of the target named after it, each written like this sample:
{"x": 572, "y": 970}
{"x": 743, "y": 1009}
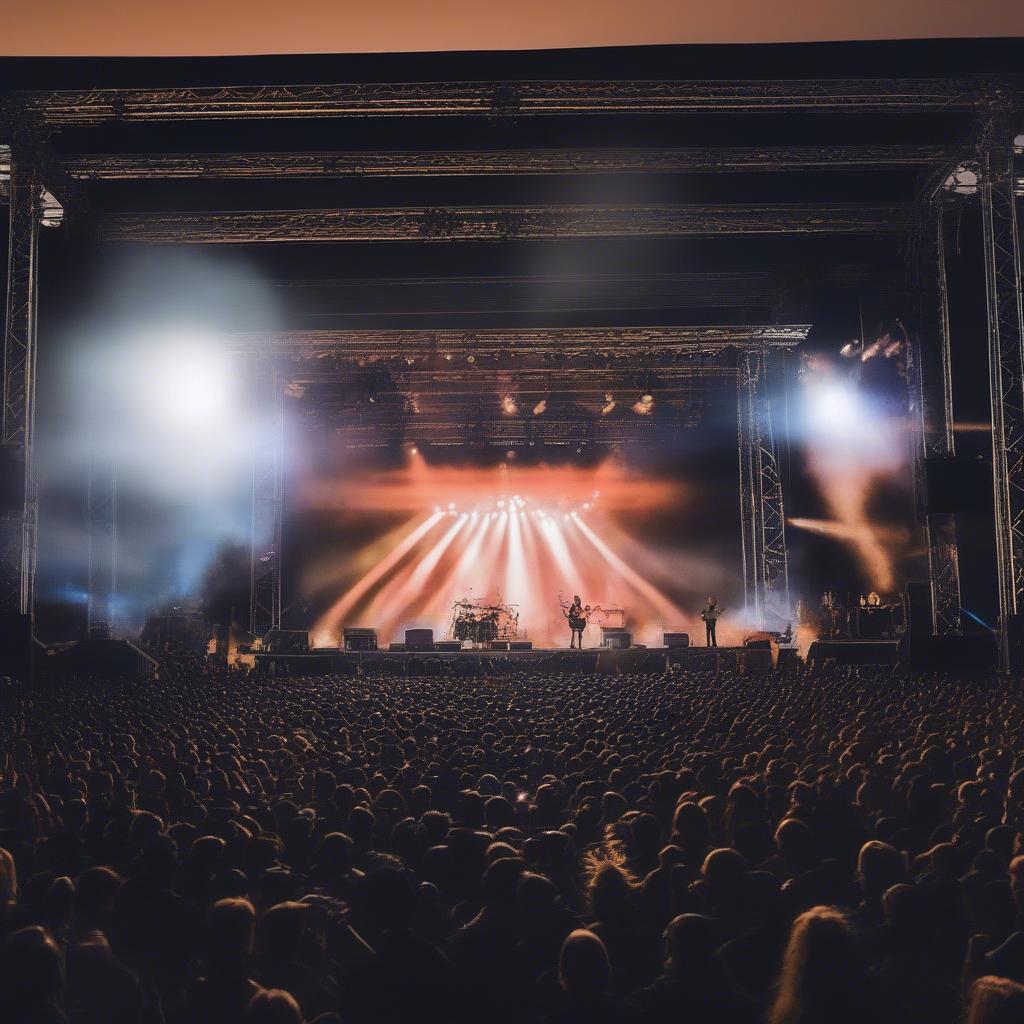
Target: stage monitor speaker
{"x": 419, "y": 639}
{"x": 616, "y": 639}
{"x": 448, "y": 646}
{"x": 854, "y": 652}
{"x": 360, "y": 638}
{"x": 957, "y": 484}
{"x": 12, "y": 479}
{"x": 676, "y": 639}
{"x": 286, "y": 641}
{"x": 520, "y": 645}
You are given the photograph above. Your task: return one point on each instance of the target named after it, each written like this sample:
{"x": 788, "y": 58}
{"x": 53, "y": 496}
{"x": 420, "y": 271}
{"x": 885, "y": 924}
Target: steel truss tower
{"x": 933, "y": 386}
{"x": 18, "y": 544}
{"x": 762, "y": 514}
{"x": 267, "y": 498}
{"x": 1006, "y": 368}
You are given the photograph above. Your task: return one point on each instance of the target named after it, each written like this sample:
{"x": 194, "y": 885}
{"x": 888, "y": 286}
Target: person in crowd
{"x": 995, "y": 1000}
{"x": 824, "y": 979}
{"x": 820, "y": 844}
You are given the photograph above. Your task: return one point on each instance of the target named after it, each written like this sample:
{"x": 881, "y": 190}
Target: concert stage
{"x": 331, "y": 661}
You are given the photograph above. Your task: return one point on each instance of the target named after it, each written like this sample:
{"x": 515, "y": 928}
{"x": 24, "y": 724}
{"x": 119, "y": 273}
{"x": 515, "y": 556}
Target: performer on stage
{"x": 710, "y": 615}
{"x": 577, "y": 616}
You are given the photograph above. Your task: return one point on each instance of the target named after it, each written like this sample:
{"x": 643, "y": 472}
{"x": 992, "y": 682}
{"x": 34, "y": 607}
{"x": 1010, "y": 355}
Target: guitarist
{"x": 710, "y": 615}
{"x": 577, "y": 616}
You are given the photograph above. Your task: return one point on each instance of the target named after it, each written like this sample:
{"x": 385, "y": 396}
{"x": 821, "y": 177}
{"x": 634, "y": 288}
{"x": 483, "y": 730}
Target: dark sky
{"x": 199, "y": 27}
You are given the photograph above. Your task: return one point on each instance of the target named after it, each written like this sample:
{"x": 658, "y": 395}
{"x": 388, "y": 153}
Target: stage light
{"x": 451, "y": 506}
{"x": 849, "y": 350}
{"x": 508, "y": 405}
{"x": 540, "y": 407}
{"x": 645, "y": 406}
{"x": 609, "y": 403}
{"x": 414, "y": 451}
{"x": 833, "y": 409}
{"x": 964, "y": 180}
{"x": 186, "y": 382}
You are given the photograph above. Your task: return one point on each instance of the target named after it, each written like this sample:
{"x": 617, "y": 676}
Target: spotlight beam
{"x": 453, "y": 585}
{"x": 642, "y": 586}
{"x": 335, "y": 615}
{"x": 402, "y": 590}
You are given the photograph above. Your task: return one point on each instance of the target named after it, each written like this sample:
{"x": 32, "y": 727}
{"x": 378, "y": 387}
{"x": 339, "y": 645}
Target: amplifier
{"x": 448, "y": 645}
{"x": 359, "y": 638}
{"x": 286, "y": 641}
{"x": 419, "y": 639}
{"x": 676, "y": 639}
{"x": 398, "y": 647}
{"x": 617, "y": 639}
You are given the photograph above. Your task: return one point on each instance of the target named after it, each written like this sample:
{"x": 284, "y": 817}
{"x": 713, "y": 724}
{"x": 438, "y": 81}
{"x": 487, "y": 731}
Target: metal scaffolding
{"x": 17, "y": 573}
{"x": 497, "y": 223}
{"x": 762, "y": 513}
{"x": 933, "y": 386}
{"x": 458, "y": 163}
{"x": 267, "y": 499}
{"x": 575, "y": 97}
{"x": 579, "y": 343}
{"x": 1006, "y": 368}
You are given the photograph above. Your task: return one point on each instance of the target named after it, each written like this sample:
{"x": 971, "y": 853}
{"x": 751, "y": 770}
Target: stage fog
{"x": 413, "y": 482}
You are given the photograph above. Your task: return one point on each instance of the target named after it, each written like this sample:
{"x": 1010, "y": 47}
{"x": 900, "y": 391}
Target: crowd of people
{"x": 830, "y": 845}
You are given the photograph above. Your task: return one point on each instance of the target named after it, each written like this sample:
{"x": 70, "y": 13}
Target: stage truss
{"x": 733, "y": 356}
{"x": 932, "y": 399}
{"x": 35, "y": 116}
{"x": 1006, "y": 352}
{"x": 763, "y": 516}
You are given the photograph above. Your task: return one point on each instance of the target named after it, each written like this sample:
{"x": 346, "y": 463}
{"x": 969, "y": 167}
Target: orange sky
{"x": 211, "y": 27}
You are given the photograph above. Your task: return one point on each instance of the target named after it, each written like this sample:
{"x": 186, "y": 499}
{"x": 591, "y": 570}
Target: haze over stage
{"x": 730, "y": 281}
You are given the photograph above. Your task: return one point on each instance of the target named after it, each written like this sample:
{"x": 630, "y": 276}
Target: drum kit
{"x": 481, "y": 623}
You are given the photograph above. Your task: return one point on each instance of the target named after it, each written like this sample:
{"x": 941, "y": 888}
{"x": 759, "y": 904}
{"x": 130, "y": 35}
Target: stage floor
{"x": 475, "y": 662}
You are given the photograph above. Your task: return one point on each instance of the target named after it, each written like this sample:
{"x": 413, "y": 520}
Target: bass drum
{"x": 488, "y": 631}
{"x": 461, "y": 629}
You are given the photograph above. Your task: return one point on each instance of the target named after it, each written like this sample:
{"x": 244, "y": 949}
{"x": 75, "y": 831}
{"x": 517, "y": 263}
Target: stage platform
{"x": 483, "y": 662}
{"x": 854, "y": 652}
